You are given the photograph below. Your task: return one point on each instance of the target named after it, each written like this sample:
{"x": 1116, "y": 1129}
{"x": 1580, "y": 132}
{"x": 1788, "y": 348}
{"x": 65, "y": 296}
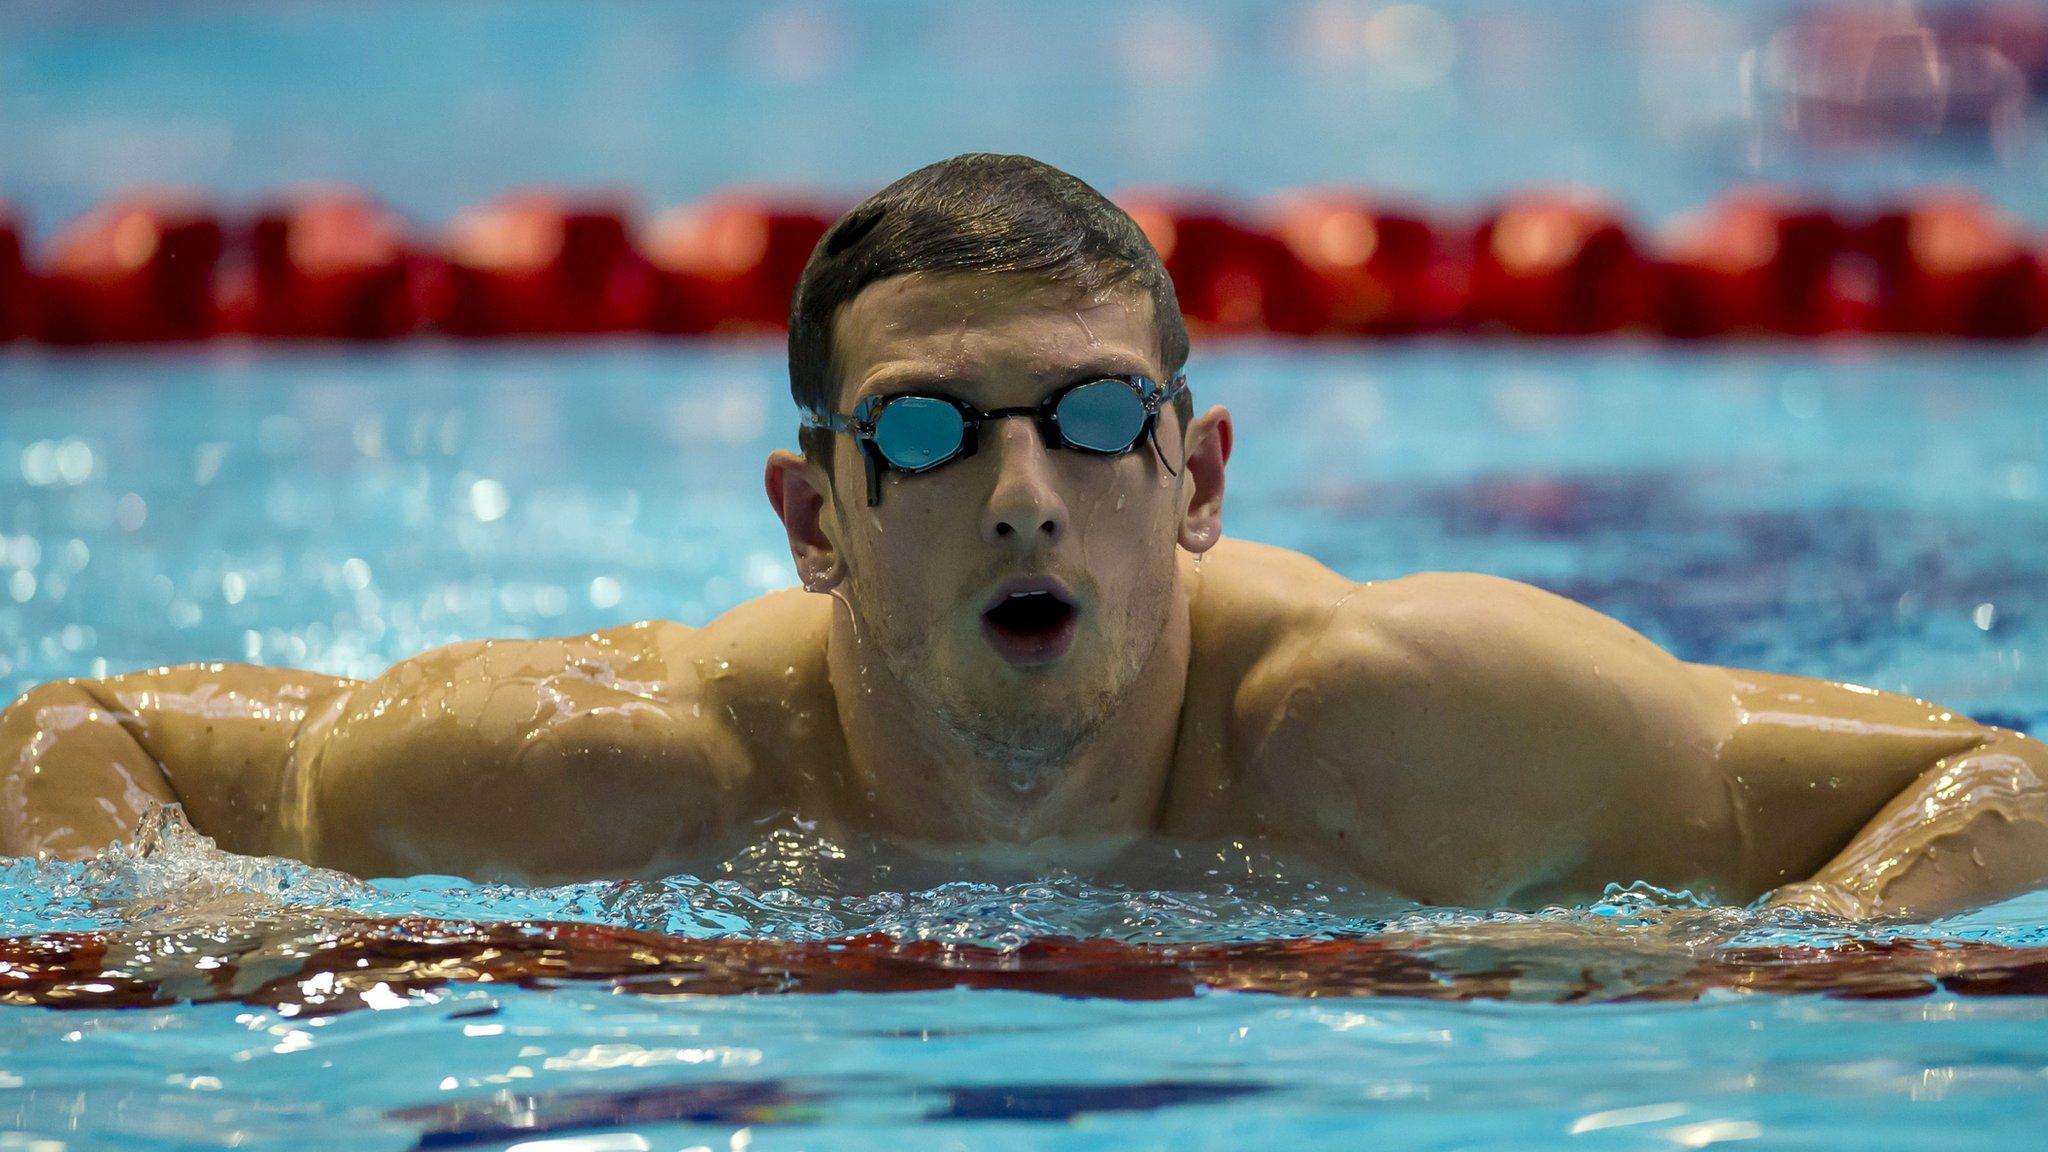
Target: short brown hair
{"x": 978, "y": 212}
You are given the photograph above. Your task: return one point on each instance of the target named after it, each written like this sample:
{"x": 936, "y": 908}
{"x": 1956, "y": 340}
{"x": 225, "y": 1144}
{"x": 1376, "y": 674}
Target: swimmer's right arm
{"x": 81, "y": 760}
{"x": 536, "y": 760}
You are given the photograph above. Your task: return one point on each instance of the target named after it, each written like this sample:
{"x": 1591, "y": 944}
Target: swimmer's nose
{"x": 1025, "y": 507}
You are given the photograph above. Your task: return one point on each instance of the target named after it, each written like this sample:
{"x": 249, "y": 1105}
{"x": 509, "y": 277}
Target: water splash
{"x": 168, "y": 915}
{"x": 788, "y": 883}
{"x": 166, "y": 875}
{"x": 791, "y": 883}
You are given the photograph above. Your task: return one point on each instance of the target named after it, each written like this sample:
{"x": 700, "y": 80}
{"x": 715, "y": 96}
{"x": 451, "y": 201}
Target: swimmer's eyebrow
{"x": 908, "y": 380}
{"x": 888, "y": 382}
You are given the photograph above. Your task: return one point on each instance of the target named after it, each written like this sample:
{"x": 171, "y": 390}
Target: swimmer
{"x": 1021, "y": 630}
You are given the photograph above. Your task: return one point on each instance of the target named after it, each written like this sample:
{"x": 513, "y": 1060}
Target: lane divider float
{"x": 335, "y": 264}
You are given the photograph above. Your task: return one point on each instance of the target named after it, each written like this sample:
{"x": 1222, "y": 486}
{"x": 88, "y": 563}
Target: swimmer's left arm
{"x": 1962, "y": 820}
{"x": 1473, "y": 740}
{"x": 1864, "y": 802}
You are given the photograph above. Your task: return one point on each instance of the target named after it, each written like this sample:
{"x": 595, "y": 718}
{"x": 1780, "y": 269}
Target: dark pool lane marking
{"x": 502, "y": 1116}
{"x": 507, "y": 1116}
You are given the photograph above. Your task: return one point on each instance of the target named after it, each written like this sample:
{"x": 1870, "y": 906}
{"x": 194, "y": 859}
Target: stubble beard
{"x": 1027, "y": 746}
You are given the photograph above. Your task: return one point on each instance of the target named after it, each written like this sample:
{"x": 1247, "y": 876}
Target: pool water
{"x": 1874, "y": 515}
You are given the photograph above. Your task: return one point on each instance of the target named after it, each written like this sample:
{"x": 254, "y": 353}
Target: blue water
{"x": 1876, "y": 516}
{"x": 1827, "y": 512}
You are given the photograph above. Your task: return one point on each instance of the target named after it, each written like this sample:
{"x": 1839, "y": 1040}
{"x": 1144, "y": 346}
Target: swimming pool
{"x": 1876, "y": 513}
{"x": 1873, "y": 514}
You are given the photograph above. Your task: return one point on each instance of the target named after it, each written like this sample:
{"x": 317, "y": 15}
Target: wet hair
{"x": 978, "y": 212}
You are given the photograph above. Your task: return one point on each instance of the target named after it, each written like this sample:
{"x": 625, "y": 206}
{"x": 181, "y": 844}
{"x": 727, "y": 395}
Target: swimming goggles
{"x": 914, "y": 432}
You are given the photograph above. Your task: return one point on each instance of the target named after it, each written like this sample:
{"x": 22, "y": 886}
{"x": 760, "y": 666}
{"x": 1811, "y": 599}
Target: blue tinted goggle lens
{"x": 914, "y": 433}
{"x": 1105, "y": 416}
{"x": 918, "y": 432}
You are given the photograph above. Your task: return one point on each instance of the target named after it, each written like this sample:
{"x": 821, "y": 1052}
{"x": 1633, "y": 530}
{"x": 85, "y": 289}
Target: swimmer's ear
{"x": 1209, "y": 439}
{"x": 797, "y": 490}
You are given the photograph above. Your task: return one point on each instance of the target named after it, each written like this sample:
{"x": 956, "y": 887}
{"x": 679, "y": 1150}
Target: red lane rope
{"x": 336, "y": 265}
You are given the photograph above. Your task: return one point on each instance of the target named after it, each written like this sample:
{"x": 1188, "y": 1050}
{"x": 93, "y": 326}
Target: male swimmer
{"x": 1005, "y": 640}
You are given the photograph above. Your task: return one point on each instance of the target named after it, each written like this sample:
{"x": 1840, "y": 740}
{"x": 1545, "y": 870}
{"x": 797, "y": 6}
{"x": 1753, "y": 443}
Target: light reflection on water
{"x": 789, "y": 884}
{"x": 1445, "y": 1028}
{"x": 323, "y": 510}
{"x": 797, "y": 887}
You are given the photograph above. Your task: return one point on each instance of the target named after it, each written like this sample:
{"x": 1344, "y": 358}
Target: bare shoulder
{"x": 772, "y": 632}
{"x": 1292, "y": 604}
{"x": 1455, "y": 636}
{"x": 660, "y": 661}
{"x": 642, "y": 657}
{"x": 762, "y": 667}
{"x": 1247, "y": 603}
{"x": 1249, "y": 599}
{"x": 1475, "y": 739}
{"x": 607, "y": 753}
{"x": 1462, "y": 639}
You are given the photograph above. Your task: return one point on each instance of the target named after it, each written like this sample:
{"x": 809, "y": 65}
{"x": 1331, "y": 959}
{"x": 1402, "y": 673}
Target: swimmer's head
{"x": 977, "y": 213}
{"x": 1020, "y": 590}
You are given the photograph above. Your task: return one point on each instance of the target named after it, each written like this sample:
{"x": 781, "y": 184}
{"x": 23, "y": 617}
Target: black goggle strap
{"x": 1154, "y": 402}
{"x": 863, "y": 434}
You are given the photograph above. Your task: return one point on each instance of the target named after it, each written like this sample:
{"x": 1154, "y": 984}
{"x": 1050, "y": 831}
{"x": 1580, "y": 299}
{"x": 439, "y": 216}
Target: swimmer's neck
{"x": 909, "y": 776}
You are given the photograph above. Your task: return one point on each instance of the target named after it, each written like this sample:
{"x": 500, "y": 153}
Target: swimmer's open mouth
{"x": 1029, "y": 613}
{"x": 1029, "y": 623}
